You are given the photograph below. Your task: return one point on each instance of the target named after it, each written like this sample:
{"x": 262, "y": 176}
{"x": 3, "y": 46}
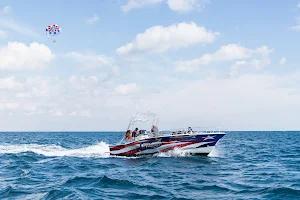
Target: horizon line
{"x": 94, "y": 131}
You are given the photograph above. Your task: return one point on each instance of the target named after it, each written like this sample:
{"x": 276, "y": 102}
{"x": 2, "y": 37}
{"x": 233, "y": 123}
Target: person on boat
{"x": 135, "y": 132}
{"x": 128, "y": 135}
{"x": 190, "y": 130}
{"x": 154, "y": 130}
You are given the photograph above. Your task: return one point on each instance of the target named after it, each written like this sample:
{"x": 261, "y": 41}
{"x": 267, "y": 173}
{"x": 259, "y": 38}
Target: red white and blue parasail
{"x": 53, "y": 31}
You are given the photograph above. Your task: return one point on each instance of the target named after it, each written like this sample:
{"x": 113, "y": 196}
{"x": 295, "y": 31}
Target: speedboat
{"x": 148, "y": 142}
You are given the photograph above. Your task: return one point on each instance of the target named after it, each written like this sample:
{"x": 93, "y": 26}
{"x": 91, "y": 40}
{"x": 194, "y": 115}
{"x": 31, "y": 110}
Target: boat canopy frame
{"x": 142, "y": 117}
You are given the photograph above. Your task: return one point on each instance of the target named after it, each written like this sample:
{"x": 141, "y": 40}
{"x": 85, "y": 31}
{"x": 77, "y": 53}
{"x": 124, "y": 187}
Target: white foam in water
{"x": 213, "y": 153}
{"x": 99, "y": 150}
{"x": 216, "y": 152}
{"x": 177, "y": 152}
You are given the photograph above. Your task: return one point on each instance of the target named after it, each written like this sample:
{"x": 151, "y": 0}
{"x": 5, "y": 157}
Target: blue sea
{"x": 77, "y": 165}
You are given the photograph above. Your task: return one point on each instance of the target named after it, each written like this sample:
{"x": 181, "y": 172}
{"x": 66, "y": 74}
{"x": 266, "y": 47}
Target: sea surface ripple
{"x": 77, "y": 165}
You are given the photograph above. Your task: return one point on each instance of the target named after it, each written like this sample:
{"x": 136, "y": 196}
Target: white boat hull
{"x": 196, "y": 143}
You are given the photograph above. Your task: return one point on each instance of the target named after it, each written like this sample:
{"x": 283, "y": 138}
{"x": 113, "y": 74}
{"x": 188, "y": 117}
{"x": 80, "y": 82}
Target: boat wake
{"x": 98, "y": 150}
{"x": 216, "y": 152}
{"x": 177, "y": 152}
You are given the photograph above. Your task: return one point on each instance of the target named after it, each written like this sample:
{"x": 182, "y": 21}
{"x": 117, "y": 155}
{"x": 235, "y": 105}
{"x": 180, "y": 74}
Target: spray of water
{"x": 176, "y": 152}
{"x": 216, "y": 152}
{"x": 99, "y": 150}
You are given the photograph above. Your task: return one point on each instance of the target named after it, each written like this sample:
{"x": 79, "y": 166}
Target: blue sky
{"x": 231, "y": 63}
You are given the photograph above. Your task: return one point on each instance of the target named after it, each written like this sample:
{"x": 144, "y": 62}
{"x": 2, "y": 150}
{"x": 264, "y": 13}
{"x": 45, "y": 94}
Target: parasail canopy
{"x": 53, "y": 30}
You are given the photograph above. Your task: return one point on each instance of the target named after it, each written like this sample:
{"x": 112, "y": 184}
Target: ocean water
{"x": 77, "y": 165}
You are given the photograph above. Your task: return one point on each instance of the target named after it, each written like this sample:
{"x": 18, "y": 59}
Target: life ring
{"x": 128, "y": 135}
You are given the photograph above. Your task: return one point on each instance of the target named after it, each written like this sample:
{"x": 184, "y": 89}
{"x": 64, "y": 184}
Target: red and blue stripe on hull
{"x": 152, "y": 146}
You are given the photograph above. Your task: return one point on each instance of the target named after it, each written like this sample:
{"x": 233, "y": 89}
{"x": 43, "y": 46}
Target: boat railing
{"x": 147, "y": 119}
{"x": 194, "y": 130}
{"x": 176, "y": 131}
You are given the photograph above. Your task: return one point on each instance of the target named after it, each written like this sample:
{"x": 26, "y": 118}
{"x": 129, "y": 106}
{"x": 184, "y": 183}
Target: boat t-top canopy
{"x": 142, "y": 118}
{"x": 142, "y": 121}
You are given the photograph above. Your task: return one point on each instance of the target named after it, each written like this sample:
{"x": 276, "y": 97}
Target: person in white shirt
{"x": 154, "y": 130}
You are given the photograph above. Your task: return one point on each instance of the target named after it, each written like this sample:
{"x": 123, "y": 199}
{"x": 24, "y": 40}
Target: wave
{"x": 51, "y": 150}
{"x": 99, "y": 150}
{"x": 284, "y": 192}
{"x": 11, "y": 192}
{"x": 82, "y": 187}
{"x": 59, "y": 194}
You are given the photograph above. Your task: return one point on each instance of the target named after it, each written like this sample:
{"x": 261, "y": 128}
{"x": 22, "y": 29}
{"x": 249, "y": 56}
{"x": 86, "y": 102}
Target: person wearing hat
{"x": 154, "y": 130}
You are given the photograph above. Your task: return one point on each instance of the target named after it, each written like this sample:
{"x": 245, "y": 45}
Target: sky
{"x": 201, "y": 63}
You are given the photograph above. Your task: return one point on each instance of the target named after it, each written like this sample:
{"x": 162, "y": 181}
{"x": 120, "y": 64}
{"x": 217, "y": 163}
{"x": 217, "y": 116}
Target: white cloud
{"x": 85, "y": 113}
{"x": 93, "y": 19}
{"x": 231, "y": 102}
{"x": 263, "y": 51}
{"x": 23, "y": 95}
{"x": 10, "y": 83}
{"x": 83, "y": 83}
{"x": 134, "y": 4}
{"x": 41, "y": 87}
{"x": 74, "y": 113}
{"x": 126, "y": 89}
{"x": 48, "y": 96}
{"x": 13, "y": 25}
{"x": 298, "y": 5}
{"x": 6, "y": 10}
{"x": 29, "y": 108}
{"x": 242, "y": 62}
{"x": 295, "y": 28}
{"x": 116, "y": 69}
{"x": 282, "y": 61}
{"x": 254, "y": 63}
{"x": 82, "y": 113}
{"x": 19, "y": 56}
{"x": 235, "y": 68}
{"x": 186, "y": 5}
{"x": 181, "y": 6}
{"x": 260, "y": 63}
{"x": 9, "y": 106}
{"x": 229, "y": 52}
{"x": 158, "y": 39}
{"x": 243, "y": 102}
{"x": 3, "y": 34}
{"x": 91, "y": 60}
{"x": 56, "y": 112}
